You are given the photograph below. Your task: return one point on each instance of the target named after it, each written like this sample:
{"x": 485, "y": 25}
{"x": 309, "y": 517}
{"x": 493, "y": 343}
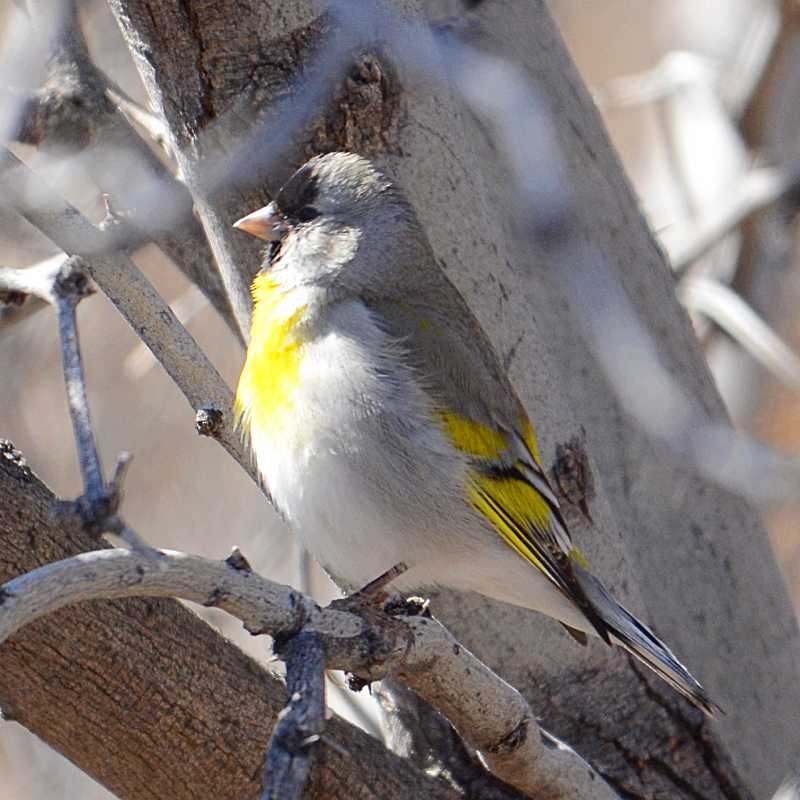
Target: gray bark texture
{"x": 148, "y": 699}
{"x": 686, "y": 555}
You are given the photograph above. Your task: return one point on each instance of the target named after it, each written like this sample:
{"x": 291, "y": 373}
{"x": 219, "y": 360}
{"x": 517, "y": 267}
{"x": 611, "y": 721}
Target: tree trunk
{"x": 670, "y": 543}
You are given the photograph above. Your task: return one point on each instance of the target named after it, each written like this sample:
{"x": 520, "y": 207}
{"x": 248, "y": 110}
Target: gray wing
{"x": 452, "y": 353}
{"x": 462, "y": 372}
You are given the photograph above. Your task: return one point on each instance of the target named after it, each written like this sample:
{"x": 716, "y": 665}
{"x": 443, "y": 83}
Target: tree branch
{"x": 759, "y": 189}
{"x": 75, "y": 112}
{"x": 491, "y": 715}
{"x": 132, "y": 294}
{"x": 70, "y": 287}
{"x": 300, "y": 724}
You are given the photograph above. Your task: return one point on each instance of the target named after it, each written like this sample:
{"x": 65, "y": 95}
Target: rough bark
{"x": 147, "y": 698}
{"x": 673, "y": 546}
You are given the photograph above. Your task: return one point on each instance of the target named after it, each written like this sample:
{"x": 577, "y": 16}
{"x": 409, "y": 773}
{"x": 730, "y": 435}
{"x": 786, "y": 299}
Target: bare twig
{"x": 70, "y": 287}
{"x": 493, "y": 717}
{"x": 376, "y": 586}
{"x": 301, "y": 723}
{"x": 129, "y": 290}
{"x": 62, "y": 282}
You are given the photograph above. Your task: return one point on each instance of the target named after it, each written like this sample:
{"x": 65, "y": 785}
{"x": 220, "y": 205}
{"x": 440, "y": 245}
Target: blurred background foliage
{"x": 701, "y": 103}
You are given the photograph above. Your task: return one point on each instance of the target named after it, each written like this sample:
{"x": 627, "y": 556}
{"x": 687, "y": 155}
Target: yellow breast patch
{"x": 265, "y": 394}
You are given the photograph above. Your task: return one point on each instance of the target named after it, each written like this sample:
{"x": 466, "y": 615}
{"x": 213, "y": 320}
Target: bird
{"x": 384, "y": 425}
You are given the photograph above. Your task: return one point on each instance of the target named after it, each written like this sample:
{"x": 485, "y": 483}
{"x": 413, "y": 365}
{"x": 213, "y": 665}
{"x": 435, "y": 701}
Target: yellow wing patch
{"x": 512, "y": 493}
{"x": 272, "y": 369}
{"x": 517, "y": 511}
{"x": 472, "y": 437}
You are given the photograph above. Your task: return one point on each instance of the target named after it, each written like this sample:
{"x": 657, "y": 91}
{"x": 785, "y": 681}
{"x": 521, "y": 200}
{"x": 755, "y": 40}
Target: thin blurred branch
{"x": 73, "y": 113}
{"x": 725, "y": 307}
{"x": 488, "y": 712}
{"x": 759, "y": 188}
{"x": 673, "y": 72}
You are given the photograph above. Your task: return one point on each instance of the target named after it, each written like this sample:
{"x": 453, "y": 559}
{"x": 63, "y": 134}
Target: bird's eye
{"x": 307, "y": 213}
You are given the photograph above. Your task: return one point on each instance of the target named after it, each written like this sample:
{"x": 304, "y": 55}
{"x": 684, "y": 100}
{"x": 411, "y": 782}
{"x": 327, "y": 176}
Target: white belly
{"x": 361, "y": 471}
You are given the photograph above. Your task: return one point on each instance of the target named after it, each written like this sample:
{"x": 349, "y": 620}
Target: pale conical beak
{"x": 266, "y": 223}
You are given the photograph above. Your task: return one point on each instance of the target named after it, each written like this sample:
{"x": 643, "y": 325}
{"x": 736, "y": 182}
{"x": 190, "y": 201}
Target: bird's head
{"x": 337, "y": 221}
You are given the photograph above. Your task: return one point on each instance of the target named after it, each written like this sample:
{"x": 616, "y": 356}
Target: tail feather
{"x": 628, "y": 632}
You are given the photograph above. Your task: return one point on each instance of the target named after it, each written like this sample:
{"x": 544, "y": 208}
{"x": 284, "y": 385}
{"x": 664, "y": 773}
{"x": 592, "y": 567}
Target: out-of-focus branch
{"x": 132, "y": 294}
{"x": 676, "y": 70}
{"x": 725, "y": 307}
{"x": 487, "y": 711}
{"x": 74, "y": 112}
{"x": 759, "y": 189}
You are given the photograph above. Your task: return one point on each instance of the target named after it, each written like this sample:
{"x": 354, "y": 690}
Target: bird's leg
{"x": 376, "y": 586}
{"x": 374, "y": 594}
